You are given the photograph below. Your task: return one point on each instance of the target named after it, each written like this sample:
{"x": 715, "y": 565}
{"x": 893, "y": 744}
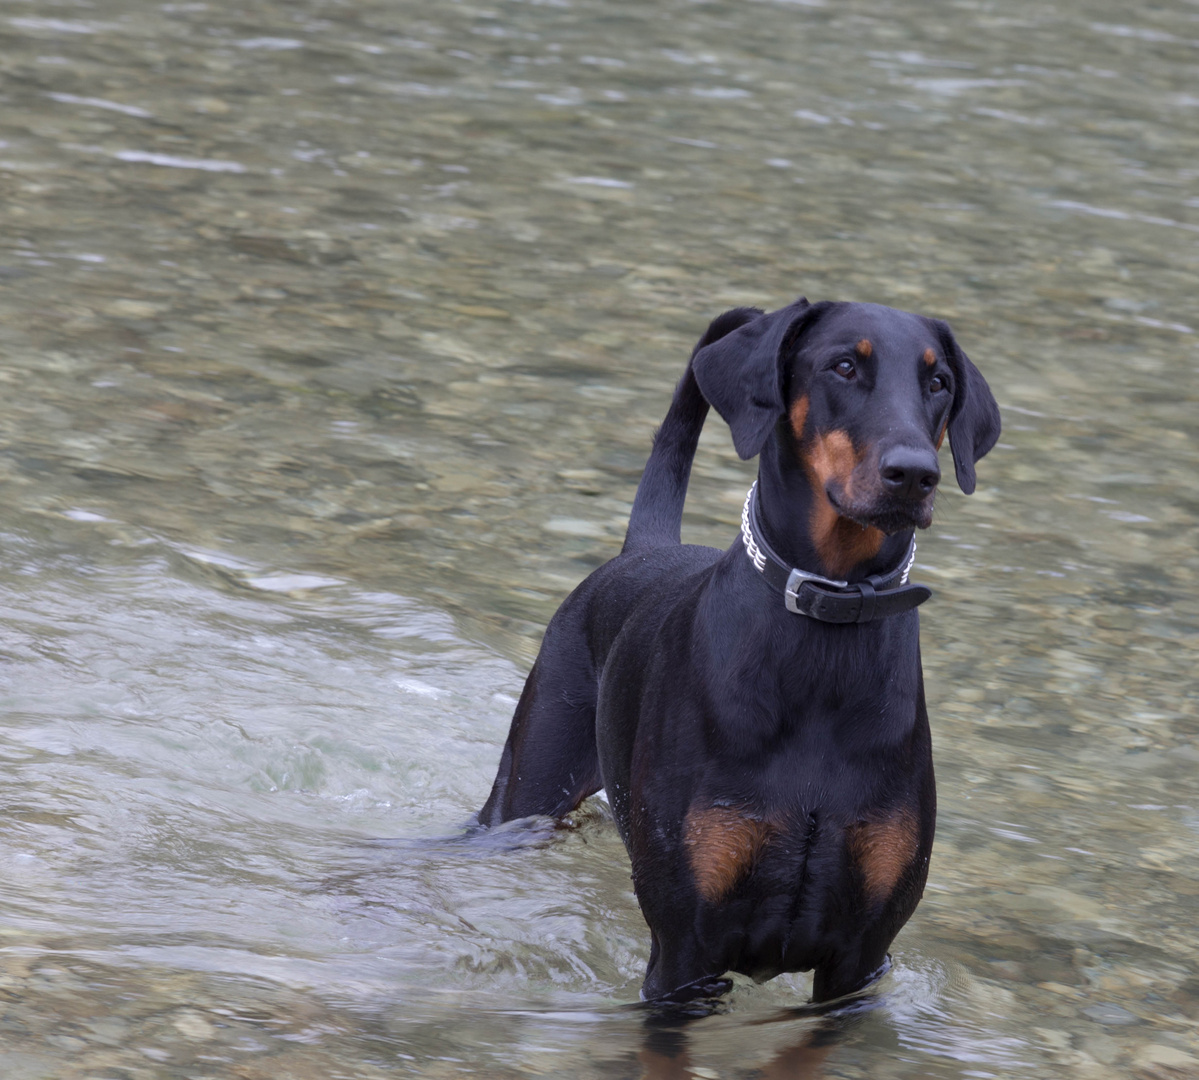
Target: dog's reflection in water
{"x": 817, "y": 1030}
{"x": 665, "y": 1056}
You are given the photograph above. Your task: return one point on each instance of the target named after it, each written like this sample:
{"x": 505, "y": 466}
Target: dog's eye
{"x": 846, "y": 370}
{"x": 938, "y": 383}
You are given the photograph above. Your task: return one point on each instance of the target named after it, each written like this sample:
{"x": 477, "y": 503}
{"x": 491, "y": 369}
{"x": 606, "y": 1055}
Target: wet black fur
{"x": 675, "y": 678}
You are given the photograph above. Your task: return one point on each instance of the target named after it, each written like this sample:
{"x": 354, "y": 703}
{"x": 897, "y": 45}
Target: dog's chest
{"x": 774, "y": 891}
{"x": 735, "y": 851}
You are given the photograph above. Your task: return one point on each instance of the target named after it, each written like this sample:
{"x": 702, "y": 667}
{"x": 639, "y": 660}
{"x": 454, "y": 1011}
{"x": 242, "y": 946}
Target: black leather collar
{"x": 823, "y": 598}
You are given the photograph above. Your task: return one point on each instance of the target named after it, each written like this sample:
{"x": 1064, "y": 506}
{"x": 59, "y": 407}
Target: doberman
{"x": 757, "y": 715}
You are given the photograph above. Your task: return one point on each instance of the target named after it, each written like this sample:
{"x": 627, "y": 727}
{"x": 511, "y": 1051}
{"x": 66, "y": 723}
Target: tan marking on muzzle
{"x": 831, "y": 456}
{"x": 883, "y": 850}
{"x": 841, "y": 543}
{"x": 941, "y": 437}
{"x": 799, "y": 415}
{"x": 723, "y": 844}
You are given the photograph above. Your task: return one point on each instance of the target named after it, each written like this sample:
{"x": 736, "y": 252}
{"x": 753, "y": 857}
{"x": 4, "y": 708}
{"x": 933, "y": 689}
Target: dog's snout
{"x": 909, "y": 472}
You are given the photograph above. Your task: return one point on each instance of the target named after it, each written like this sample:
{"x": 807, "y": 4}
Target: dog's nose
{"x": 909, "y": 472}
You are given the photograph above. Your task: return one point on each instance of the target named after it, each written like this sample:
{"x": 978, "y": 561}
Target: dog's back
{"x": 551, "y": 745}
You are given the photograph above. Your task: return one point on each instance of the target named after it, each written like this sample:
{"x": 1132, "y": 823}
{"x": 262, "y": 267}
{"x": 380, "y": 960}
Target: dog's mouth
{"x": 888, "y": 513}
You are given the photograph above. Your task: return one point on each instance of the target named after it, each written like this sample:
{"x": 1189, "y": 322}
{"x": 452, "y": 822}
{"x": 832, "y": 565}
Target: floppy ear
{"x": 741, "y": 375}
{"x": 973, "y": 417}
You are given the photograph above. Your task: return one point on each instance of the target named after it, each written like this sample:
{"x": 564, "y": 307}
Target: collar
{"x": 827, "y": 599}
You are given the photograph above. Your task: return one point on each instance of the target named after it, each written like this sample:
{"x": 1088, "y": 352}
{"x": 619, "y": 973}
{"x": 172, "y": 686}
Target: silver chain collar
{"x": 747, "y": 533}
{"x": 758, "y": 557}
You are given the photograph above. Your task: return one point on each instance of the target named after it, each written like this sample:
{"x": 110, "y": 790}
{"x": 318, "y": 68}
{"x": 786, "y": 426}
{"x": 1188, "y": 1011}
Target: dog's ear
{"x": 741, "y": 374}
{"x": 973, "y": 416}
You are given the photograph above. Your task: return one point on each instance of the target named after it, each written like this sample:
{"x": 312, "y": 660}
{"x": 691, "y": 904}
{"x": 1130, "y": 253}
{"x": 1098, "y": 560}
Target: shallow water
{"x": 333, "y": 339}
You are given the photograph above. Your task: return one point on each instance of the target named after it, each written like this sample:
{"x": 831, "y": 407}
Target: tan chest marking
{"x": 723, "y": 844}
{"x": 883, "y": 850}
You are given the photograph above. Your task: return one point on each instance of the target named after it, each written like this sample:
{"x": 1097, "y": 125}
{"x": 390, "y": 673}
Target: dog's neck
{"x": 802, "y": 527}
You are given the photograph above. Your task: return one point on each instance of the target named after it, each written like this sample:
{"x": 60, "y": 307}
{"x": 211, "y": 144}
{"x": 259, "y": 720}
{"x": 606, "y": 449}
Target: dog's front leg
{"x": 678, "y": 971}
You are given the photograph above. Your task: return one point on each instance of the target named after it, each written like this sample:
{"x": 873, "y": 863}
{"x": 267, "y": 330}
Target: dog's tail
{"x": 657, "y": 516}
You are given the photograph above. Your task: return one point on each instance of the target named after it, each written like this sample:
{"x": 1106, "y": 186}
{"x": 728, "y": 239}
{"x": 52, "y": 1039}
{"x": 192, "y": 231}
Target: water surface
{"x": 333, "y": 339}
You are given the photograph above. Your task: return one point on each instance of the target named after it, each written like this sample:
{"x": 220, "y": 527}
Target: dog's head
{"x": 863, "y": 396}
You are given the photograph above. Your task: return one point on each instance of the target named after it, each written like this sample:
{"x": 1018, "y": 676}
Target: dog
{"x": 757, "y": 715}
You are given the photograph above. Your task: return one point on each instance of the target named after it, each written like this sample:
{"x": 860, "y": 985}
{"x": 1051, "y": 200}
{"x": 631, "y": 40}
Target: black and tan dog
{"x": 757, "y": 715}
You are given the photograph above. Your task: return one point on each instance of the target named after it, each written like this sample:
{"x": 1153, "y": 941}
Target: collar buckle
{"x": 827, "y": 599}
{"x": 795, "y": 581}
